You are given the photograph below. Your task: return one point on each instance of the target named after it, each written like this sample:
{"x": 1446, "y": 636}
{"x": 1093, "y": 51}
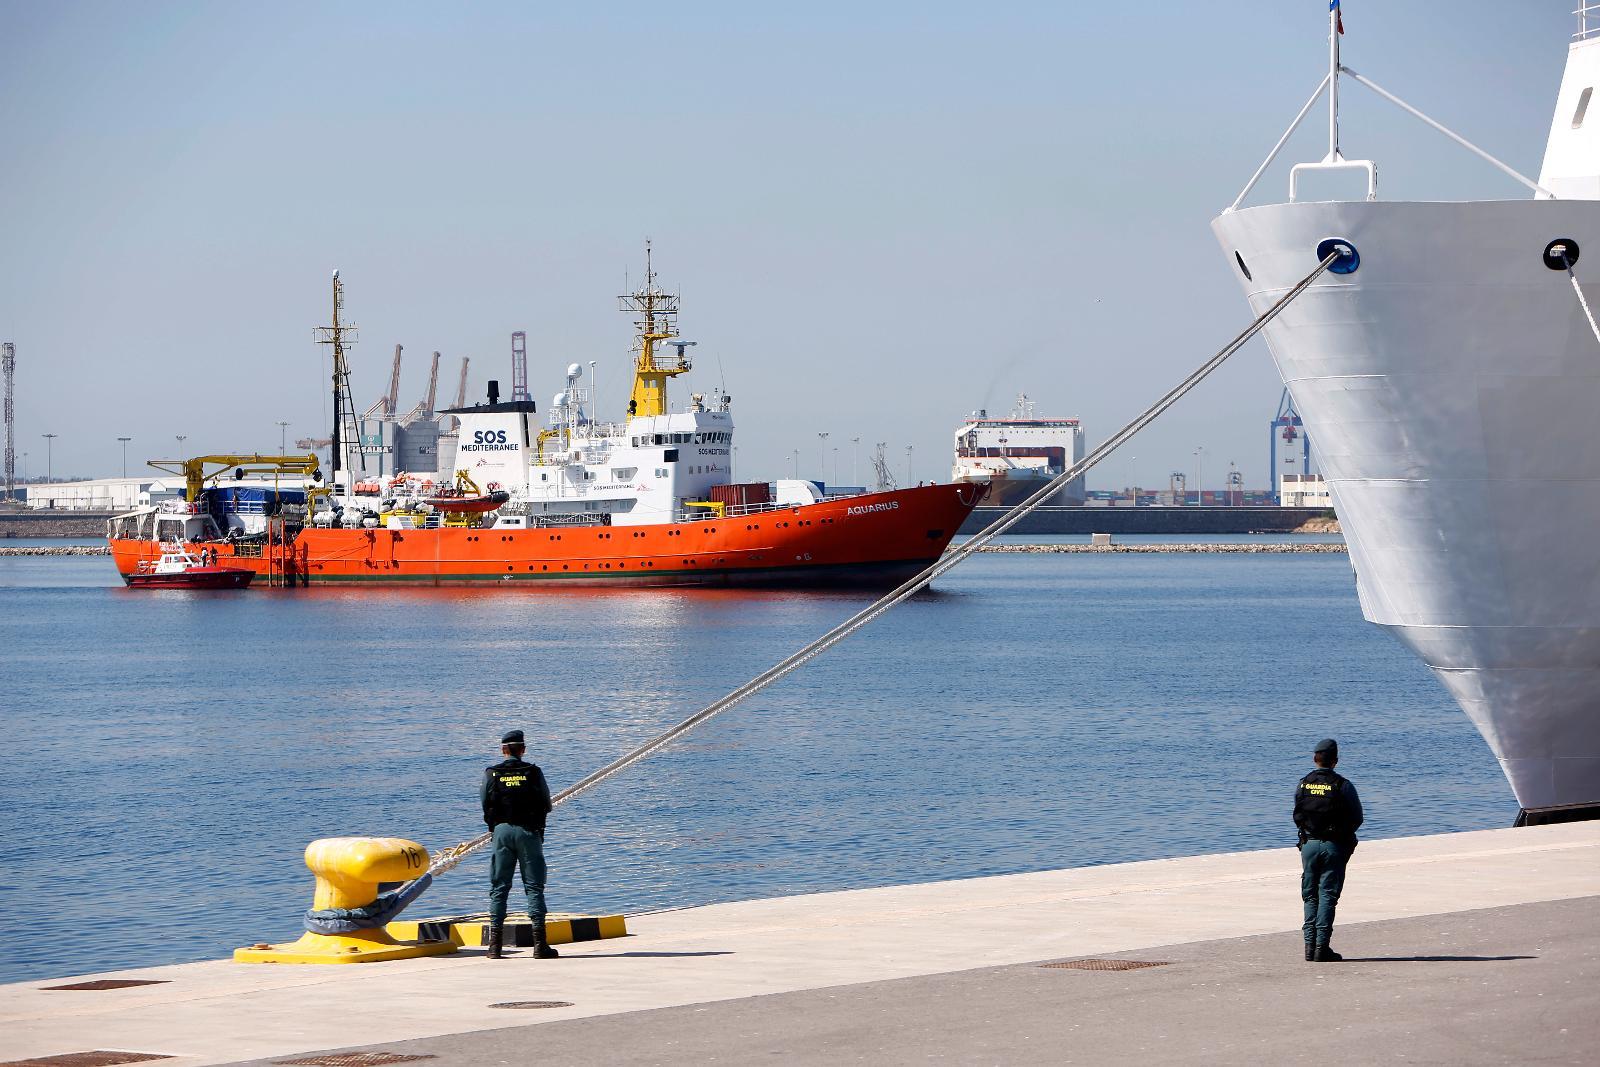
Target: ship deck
{"x": 1470, "y": 947}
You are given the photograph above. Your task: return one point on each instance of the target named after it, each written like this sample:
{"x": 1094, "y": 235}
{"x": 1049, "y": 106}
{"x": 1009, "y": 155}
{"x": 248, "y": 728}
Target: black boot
{"x": 1325, "y": 954}
{"x": 1311, "y": 951}
{"x": 541, "y": 947}
{"x": 496, "y": 938}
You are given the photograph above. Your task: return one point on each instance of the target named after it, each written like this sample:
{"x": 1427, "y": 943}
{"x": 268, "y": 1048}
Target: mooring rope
{"x": 448, "y": 858}
{"x": 1583, "y": 301}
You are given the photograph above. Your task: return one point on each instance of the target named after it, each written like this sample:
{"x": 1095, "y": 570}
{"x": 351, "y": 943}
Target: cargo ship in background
{"x": 647, "y": 500}
{"x": 1447, "y": 369}
{"x": 1015, "y": 456}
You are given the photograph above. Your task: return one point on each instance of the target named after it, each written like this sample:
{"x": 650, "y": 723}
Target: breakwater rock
{"x": 54, "y": 550}
{"x": 1191, "y": 548}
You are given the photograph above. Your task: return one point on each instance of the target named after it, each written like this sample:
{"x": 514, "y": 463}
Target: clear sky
{"x": 880, "y": 216}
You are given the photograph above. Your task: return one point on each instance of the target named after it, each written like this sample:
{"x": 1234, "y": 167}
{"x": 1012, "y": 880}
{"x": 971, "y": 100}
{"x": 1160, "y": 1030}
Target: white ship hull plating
{"x": 1451, "y": 389}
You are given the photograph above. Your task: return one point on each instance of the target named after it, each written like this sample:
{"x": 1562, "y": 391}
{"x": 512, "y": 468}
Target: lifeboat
{"x": 464, "y": 497}
{"x": 474, "y": 504}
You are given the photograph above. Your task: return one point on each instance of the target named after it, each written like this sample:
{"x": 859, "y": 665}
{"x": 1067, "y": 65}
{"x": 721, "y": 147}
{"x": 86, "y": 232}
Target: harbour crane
{"x": 424, "y": 408}
{"x": 386, "y": 404}
{"x": 461, "y": 394}
{"x": 461, "y": 388}
{"x": 519, "y": 366}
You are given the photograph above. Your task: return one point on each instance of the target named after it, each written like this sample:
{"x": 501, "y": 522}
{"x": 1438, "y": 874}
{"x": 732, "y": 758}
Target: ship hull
{"x": 1005, "y": 492}
{"x": 1449, "y": 386}
{"x": 874, "y": 540}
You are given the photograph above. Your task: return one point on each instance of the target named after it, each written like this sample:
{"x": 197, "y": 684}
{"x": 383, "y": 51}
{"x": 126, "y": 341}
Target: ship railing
{"x": 569, "y": 518}
{"x": 1588, "y": 21}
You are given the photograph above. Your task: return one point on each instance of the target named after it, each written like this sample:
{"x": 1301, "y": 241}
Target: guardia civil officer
{"x": 516, "y": 802}
{"x": 1328, "y": 813}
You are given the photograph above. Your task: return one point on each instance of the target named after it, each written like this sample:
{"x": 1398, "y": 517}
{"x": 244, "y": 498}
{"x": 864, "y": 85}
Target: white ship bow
{"x": 1450, "y": 384}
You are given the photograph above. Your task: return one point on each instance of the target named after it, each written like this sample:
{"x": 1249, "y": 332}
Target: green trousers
{"x": 516, "y": 849}
{"x": 1322, "y": 866}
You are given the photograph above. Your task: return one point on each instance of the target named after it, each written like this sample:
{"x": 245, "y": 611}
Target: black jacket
{"x": 1327, "y": 808}
{"x": 515, "y": 791}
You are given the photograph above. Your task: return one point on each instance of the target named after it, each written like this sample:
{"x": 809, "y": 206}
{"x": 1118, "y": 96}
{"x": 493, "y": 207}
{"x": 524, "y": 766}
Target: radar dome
{"x": 574, "y": 370}
{"x": 559, "y": 400}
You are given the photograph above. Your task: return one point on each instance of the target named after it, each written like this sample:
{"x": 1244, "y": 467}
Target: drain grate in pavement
{"x": 1107, "y": 965}
{"x": 357, "y": 1059}
{"x": 111, "y": 983}
{"x": 98, "y": 1058}
{"x": 533, "y": 1004}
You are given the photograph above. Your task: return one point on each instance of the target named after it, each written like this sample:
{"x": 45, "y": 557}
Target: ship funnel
{"x": 494, "y": 391}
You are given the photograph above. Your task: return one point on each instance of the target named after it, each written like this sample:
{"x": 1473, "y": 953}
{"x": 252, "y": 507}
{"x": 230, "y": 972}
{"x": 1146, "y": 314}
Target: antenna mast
{"x": 344, "y": 413}
{"x": 1335, "y": 30}
{"x": 8, "y": 357}
{"x": 656, "y": 319}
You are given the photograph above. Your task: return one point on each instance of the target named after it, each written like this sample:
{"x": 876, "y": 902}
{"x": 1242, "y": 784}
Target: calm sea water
{"x": 170, "y": 754}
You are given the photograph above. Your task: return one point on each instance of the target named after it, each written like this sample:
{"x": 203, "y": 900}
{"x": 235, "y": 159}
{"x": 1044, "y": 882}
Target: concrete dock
{"x": 1474, "y": 947}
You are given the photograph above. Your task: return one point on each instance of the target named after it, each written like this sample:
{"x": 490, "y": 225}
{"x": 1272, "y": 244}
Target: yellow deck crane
{"x": 200, "y": 470}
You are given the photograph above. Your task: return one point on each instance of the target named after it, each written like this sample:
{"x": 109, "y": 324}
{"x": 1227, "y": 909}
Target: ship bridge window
{"x": 623, "y": 474}
{"x": 1583, "y": 107}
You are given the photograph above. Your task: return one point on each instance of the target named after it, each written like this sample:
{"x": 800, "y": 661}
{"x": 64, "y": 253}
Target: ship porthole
{"x": 1561, "y": 248}
{"x": 1242, "y": 268}
{"x": 1349, "y": 259}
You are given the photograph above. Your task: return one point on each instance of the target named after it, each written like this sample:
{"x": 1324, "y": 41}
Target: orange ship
{"x": 648, "y": 500}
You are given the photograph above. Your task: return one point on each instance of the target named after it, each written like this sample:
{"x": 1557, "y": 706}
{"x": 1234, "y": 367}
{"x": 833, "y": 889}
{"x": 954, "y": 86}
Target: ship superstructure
{"x": 1016, "y": 455}
{"x": 570, "y": 468}
{"x": 1447, "y": 369}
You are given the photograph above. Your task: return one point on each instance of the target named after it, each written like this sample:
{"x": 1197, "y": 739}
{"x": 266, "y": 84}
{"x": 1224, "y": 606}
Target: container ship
{"x": 1447, "y": 368}
{"x": 1016, "y": 455}
{"x": 647, "y": 500}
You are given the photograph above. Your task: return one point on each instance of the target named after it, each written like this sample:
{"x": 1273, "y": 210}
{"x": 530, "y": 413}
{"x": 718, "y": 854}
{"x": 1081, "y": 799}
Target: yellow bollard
{"x": 348, "y": 871}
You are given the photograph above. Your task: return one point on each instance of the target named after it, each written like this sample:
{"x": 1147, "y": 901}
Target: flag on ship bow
{"x": 1338, "y": 14}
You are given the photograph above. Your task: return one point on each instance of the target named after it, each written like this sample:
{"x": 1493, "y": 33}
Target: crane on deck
{"x": 196, "y": 472}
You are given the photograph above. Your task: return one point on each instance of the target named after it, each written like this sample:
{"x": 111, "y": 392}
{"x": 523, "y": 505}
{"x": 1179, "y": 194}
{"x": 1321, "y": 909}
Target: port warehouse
{"x": 125, "y": 494}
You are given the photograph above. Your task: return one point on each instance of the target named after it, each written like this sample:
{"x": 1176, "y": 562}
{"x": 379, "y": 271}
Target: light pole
{"x": 1199, "y": 476}
{"x": 49, "y": 457}
{"x": 822, "y": 471}
{"x": 1133, "y": 480}
{"x": 797, "y": 463}
{"x": 181, "y": 439}
{"x": 835, "y": 464}
{"x": 855, "y": 470}
{"x": 594, "y": 390}
{"x": 124, "y": 441}
{"x": 908, "y": 464}
{"x": 283, "y": 438}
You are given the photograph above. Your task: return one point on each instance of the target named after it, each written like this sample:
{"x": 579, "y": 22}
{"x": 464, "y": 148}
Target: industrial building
{"x": 125, "y": 494}
{"x": 415, "y": 441}
{"x": 1304, "y": 491}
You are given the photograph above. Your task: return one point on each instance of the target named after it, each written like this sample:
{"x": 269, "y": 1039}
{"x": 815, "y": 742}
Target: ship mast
{"x": 656, "y": 320}
{"x": 338, "y": 335}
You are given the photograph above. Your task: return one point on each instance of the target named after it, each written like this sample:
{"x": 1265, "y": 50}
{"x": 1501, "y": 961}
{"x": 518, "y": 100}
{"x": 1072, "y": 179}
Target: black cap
{"x": 1326, "y": 747}
{"x": 514, "y": 737}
